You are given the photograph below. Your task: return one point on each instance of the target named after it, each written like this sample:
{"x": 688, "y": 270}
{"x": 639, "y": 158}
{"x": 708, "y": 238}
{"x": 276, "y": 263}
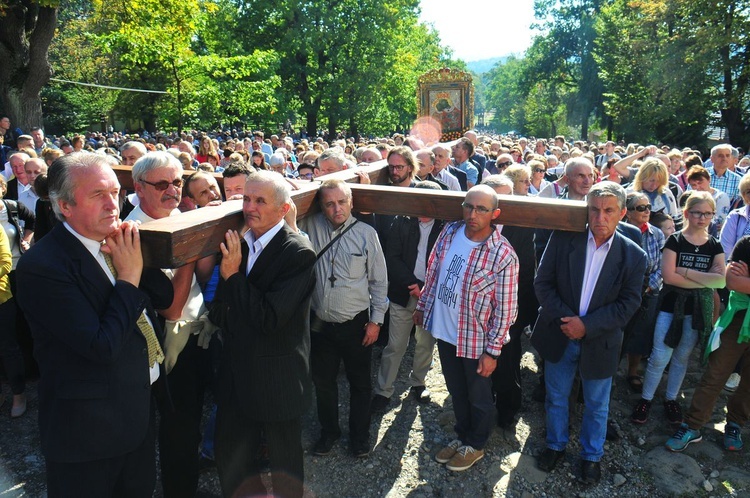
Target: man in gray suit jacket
{"x": 588, "y": 286}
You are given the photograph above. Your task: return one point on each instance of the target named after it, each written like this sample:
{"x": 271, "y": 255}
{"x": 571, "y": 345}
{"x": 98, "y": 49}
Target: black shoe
{"x": 421, "y": 394}
{"x": 612, "y": 433}
{"x": 549, "y": 459}
{"x": 379, "y": 404}
{"x": 591, "y": 472}
{"x": 640, "y": 412}
{"x": 324, "y": 446}
{"x": 673, "y": 411}
{"x": 360, "y": 450}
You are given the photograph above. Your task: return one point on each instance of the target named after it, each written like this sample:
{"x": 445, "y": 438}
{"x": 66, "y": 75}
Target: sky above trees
{"x": 478, "y": 29}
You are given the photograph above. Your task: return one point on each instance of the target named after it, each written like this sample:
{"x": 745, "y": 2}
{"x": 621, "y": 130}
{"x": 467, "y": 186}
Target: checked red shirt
{"x": 488, "y": 305}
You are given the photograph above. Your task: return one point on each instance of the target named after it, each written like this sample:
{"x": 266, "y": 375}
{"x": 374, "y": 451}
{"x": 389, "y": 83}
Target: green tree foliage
{"x": 337, "y": 57}
{"x": 563, "y": 56}
{"x": 658, "y": 83}
{"x": 505, "y": 95}
{"x": 26, "y": 31}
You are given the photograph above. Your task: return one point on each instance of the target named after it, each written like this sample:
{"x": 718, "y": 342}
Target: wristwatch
{"x": 493, "y": 356}
{"x": 376, "y": 323}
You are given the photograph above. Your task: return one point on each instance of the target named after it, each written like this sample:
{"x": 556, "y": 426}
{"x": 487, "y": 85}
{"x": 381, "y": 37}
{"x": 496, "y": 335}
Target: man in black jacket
{"x": 263, "y": 306}
{"x": 411, "y": 240}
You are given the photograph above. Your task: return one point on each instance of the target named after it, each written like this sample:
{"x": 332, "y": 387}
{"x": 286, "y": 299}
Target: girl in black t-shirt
{"x": 692, "y": 266}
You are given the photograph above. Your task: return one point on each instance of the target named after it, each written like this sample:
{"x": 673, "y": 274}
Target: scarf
{"x": 737, "y": 301}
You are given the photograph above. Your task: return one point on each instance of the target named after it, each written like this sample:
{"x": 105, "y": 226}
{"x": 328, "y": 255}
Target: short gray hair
{"x": 62, "y": 177}
{"x": 134, "y": 144}
{"x": 336, "y": 183}
{"x": 335, "y": 154}
{"x": 608, "y": 189}
{"x": 154, "y": 160}
{"x": 282, "y": 192}
{"x": 498, "y": 180}
{"x": 575, "y": 162}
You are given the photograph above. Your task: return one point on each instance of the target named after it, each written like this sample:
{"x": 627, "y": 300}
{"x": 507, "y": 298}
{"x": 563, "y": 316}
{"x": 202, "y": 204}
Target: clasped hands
{"x": 124, "y": 247}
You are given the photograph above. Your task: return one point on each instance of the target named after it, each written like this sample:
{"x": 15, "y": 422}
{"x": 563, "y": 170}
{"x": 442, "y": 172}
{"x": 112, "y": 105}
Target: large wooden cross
{"x": 177, "y": 240}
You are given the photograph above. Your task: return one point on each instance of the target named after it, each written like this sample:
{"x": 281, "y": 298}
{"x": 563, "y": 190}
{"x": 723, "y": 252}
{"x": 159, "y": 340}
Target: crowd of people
{"x": 266, "y": 322}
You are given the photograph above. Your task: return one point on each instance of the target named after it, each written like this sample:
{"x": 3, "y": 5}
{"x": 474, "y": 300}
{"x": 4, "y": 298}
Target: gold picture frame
{"x": 447, "y": 96}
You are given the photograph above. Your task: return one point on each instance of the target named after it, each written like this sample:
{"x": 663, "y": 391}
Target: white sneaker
{"x": 732, "y": 383}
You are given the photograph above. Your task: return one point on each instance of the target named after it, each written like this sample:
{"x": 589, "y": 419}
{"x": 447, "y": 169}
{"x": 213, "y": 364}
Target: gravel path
{"x": 409, "y": 434}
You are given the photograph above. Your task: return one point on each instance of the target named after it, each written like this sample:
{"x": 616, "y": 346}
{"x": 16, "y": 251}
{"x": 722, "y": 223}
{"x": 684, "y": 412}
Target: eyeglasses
{"x": 306, "y": 175}
{"x": 397, "y": 167}
{"x": 539, "y": 170}
{"x": 697, "y": 214}
{"x": 641, "y": 208}
{"x": 164, "y": 184}
{"x": 478, "y": 209}
{"x": 504, "y": 165}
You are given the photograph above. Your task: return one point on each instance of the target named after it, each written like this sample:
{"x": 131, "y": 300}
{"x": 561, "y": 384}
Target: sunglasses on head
{"x": 641, "y": 208}
{"x": 164, "y": 184}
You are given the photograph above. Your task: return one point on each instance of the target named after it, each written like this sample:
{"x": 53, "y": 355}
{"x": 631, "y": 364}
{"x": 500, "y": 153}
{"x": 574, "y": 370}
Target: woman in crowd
{"x": 18, "y": 239}
{"x": 9, "y": 349}
{"x": 692, "y": 267}
{"x": 258, "y": 160}
{"x": 700, "y": 180}
{"x": 520, "y": 175}
{"x": 639, "y": 332}
{"x": 652, "y": 179}
{"x": 538, "y": 169}
{"x": 205, "y": 149}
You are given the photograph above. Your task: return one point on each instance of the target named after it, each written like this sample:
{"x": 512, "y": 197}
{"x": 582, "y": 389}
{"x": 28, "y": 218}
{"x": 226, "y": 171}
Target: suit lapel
{"x": 95, "y": 283}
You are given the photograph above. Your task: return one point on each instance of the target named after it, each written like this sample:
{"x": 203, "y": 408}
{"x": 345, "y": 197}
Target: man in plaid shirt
{"x": 468, "y": 303}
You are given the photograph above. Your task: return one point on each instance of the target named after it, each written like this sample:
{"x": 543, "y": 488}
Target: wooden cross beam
{"x": 177, "y": 240}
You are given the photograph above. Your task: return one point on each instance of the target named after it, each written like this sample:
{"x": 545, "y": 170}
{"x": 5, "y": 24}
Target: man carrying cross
{"x": 349, "y": 303}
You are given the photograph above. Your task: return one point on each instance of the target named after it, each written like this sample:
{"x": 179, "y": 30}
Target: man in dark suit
{"x": 96, "y": 360}
{"x": 263, "y": 308}
{"x": 588, "y": 285}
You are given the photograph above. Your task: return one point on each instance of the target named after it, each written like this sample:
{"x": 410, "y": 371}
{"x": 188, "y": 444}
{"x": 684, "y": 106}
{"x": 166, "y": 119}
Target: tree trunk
{"x": 26, "y": 31}
{"x": 584, "y": 128}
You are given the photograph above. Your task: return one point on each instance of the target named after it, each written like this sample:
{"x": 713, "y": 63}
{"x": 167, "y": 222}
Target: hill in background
{"x": 484, "y": 65}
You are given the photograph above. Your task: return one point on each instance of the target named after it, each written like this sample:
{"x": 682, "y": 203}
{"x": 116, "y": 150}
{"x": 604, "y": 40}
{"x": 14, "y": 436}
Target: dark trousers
{"x": 721, "y": 364}
{"x": 179, "y": 429}
{"x": 506, "y": 379}
{"x": 238, "y": 440}
{"x": 10, "y": 352}
{"x": 132, "y": 475}
{"x": 472, "y": 396}
{"x": 336, "y": 342}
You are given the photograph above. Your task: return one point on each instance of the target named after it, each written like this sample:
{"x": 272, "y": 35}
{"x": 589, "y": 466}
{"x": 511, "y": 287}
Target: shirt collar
{"x": 607, "y": 244}
{"x": 264, "y": 239}
{"x": 91, "y": 246}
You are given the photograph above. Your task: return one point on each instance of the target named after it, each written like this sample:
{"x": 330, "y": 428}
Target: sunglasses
{"x": 539, "y": 170}
{"x": 164, "y": 184}
{"x": 641, "y": 208}
{"x": 504, "y": 165}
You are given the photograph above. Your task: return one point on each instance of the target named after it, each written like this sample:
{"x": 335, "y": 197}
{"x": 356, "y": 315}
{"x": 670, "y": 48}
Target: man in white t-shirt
{"x": 468, "y": 304}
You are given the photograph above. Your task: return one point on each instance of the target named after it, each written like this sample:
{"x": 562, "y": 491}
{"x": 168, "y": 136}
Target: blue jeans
{"x": 661, "y": 354}
{"x": 559, "y": 380}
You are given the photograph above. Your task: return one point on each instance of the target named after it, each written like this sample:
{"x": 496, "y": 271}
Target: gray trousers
{"x": 400, "y": 325}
